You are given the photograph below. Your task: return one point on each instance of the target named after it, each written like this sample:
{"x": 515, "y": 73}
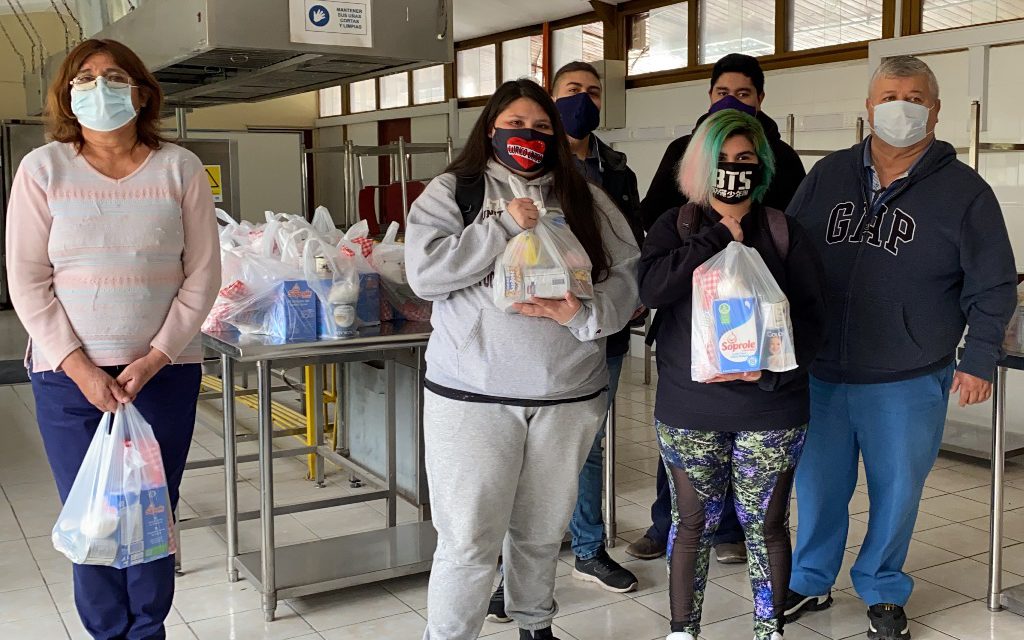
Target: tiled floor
{"x": 948, "y": 557}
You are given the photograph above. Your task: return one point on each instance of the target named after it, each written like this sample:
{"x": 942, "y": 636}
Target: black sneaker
{"x": 887, "y": 622}
{"x": 798, "y": 604}
{"x": 602, "y": 570}
{"x": 539, "y": 634}
{"x": 496, "y": 608}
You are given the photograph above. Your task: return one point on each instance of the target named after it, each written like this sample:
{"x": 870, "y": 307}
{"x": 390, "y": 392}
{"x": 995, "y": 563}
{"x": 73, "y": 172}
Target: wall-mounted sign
{"x": 334, "y": 22}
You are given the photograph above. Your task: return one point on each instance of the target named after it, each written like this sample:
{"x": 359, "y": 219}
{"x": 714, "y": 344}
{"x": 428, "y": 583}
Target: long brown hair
{"x": 61, "y": 123}
{"x": 570, "y": 188}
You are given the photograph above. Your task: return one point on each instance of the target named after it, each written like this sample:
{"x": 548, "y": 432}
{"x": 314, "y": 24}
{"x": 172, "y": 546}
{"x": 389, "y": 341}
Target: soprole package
{"x": 740, "y": 317}
{"x": 739, "y": 349}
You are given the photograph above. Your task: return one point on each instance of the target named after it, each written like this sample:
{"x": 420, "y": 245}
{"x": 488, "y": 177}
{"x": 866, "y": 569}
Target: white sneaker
{"x": 679, "y": 635}
{"x": 777, "y": 636}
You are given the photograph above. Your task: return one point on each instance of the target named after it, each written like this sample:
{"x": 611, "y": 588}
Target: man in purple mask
{"x": 737, "y": 82}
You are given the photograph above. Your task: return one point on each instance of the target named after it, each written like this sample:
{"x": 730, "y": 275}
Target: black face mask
{"x": 525, "y": 150}
{"x": 736, "y": 181}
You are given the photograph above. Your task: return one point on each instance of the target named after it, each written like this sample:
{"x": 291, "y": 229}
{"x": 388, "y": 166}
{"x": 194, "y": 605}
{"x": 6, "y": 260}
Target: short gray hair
{"x": 905, "y": 67}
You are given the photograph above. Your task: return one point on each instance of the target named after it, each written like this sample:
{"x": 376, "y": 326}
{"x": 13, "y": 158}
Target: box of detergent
{"x": 736, "y": 330}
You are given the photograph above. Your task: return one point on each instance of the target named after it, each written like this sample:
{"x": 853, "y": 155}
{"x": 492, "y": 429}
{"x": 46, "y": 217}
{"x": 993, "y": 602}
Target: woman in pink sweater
{"x": 113, "y": 262}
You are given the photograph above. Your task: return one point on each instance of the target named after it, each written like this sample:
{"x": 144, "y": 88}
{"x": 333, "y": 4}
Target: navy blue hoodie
{"x": 905, "y": 281}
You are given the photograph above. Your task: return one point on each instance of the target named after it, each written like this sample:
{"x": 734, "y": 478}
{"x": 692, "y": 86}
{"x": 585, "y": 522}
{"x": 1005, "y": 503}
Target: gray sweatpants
{"x": 494, "y": 469}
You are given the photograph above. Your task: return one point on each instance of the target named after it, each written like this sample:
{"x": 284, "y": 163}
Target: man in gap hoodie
{"x": 915, "y": 249}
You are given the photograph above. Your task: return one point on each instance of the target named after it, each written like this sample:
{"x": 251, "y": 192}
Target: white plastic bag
{"x": 323, "y": 224}
{"x": 118, "y": 513}
{"x": 544, "y": 262}
{"x": 388, "y": 259}
{"x": 740, "y": 320}
{"x": 332, "y": 275}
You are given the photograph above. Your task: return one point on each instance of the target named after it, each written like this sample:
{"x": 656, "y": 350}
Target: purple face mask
{"x": 731, "y": 102}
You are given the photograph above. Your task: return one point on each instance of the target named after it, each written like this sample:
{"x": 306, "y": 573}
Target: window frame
{"x": 627, "y": 29}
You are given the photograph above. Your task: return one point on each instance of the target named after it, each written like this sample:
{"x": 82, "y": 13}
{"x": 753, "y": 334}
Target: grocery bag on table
{"x": 399, "y": 301}
{"x": 118, "y": 513}
{"x": 740, "y": 317}
{"x": 544, "y": 262}
{"x": 331, "y": 273}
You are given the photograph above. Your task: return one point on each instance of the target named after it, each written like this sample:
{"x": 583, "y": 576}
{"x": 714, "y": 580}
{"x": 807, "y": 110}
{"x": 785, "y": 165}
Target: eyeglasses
{"x": 114, "y": 80}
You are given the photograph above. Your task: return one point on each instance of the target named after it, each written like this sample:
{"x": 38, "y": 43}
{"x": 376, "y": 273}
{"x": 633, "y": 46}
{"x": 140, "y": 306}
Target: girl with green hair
{"x": 744, "y": 430}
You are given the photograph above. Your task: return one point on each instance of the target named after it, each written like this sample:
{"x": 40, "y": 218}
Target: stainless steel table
{"x": 323, "y": 565}
{"x": 1011, "y": 599}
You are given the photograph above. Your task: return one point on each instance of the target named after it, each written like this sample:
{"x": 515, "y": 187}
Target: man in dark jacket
{"x": 915, "y": 249}
{"x": 577, "y": 91}
{"x": 737, "y": 82}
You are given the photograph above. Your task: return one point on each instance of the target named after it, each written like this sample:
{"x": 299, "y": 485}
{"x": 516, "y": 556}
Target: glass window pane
{"x": 330, "y": 102}
{"x": 947, "y": 14}
{"x": 394, "y": 91}
{"x": 658, "y": 39}
{"x": 523, "y": 58}
{"x": 477, "y": 72}
{"x": 362, "y": 96}
{"x": 585, "y": 42}
{"x": 736, "y": 26}
{"x": 428, "y": 85}
{"x": 825, "y": 23}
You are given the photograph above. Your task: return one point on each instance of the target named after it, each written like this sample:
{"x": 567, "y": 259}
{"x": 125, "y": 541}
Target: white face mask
{"x": 900, "y": 123}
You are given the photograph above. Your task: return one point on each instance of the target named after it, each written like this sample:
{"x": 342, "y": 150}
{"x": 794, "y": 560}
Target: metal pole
{"x": 451, "y": 148}
{"x": 648, "y": 355}
{"x": 860, "y": 129}
{"x": 995, "y": 550}
{"x": 305, "y": 179}
{"x": 266, "y": 449}
{"x": 402, "y": 171}
{"x": 972, "y": 157}
{"x": 318, "y": 419}
{"x": 791, "y": 129}
{"x": 177, "y": 545}
{"x": 610, "y": 526}
{"x": 227, "y": 377}
{"x": 391, "y": 424}
{"x": 181, "y": 121}
{"x": 346, "y": 184}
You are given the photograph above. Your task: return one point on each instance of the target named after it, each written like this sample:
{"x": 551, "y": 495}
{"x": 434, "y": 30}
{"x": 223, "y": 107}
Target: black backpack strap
{"x": 778, "y": 226}
{"x": 469, "y": 196}
{"x": 688, "y": 222}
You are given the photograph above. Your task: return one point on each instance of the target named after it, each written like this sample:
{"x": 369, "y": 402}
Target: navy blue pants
{"x": 132, "y": 603}
{"x": 729, "y": 528}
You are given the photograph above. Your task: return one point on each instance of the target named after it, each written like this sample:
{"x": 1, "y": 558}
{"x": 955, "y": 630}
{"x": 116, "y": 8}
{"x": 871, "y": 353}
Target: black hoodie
{"x": 664, "y": 193}
{"x": 778, "y": 400}
{"x": 902, "y": 290}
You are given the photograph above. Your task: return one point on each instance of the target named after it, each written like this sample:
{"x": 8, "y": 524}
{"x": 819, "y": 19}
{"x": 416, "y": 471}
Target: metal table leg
{"x": 317, "y": 380}
{"x": 610, "y": 526}
{"x": 266, "y": 449}
{"x": 230, "y": 464}
{"x": 995, "y": 550}
{"x": 391, "y": 422}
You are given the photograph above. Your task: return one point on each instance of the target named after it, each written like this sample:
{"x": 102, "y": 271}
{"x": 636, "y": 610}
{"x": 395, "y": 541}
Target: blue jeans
{"x": 897, "y": 427}
{"x": 587, "y": 524}
{"x": 132, "y": 603}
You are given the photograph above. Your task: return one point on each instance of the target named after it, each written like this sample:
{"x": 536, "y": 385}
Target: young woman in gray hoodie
{"x": 514, "y": 399}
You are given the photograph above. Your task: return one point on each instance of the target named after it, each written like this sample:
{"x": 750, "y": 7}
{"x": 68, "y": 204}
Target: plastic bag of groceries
{"x": 118, "y": 513}
{"x": 1014, "y": 339}
{"x": 331, "y": 273}
{"x": 323, "y": 224}
{"x": 740, "y": 319}
{"x": 260, "y": 294}
{"x": 399, "y": 301}
{"x": 544, "y": 262}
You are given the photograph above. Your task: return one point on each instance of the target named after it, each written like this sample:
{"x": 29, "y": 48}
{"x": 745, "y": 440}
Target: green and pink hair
{"x": 698, "y": 170}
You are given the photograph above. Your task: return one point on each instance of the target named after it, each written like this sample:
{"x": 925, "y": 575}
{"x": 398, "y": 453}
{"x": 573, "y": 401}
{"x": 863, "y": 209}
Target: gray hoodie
{"x": 477, "y": 348}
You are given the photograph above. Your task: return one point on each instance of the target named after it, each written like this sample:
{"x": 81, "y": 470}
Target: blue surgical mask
{"x": 103, "y": 108}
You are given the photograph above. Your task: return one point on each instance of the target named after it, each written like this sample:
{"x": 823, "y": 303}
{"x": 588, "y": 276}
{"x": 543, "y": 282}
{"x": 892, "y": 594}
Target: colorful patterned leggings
{"x": 760, "y": 465}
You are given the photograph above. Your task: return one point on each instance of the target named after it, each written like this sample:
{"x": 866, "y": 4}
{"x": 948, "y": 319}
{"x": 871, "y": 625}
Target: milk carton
{"x": 736, "y": 331}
